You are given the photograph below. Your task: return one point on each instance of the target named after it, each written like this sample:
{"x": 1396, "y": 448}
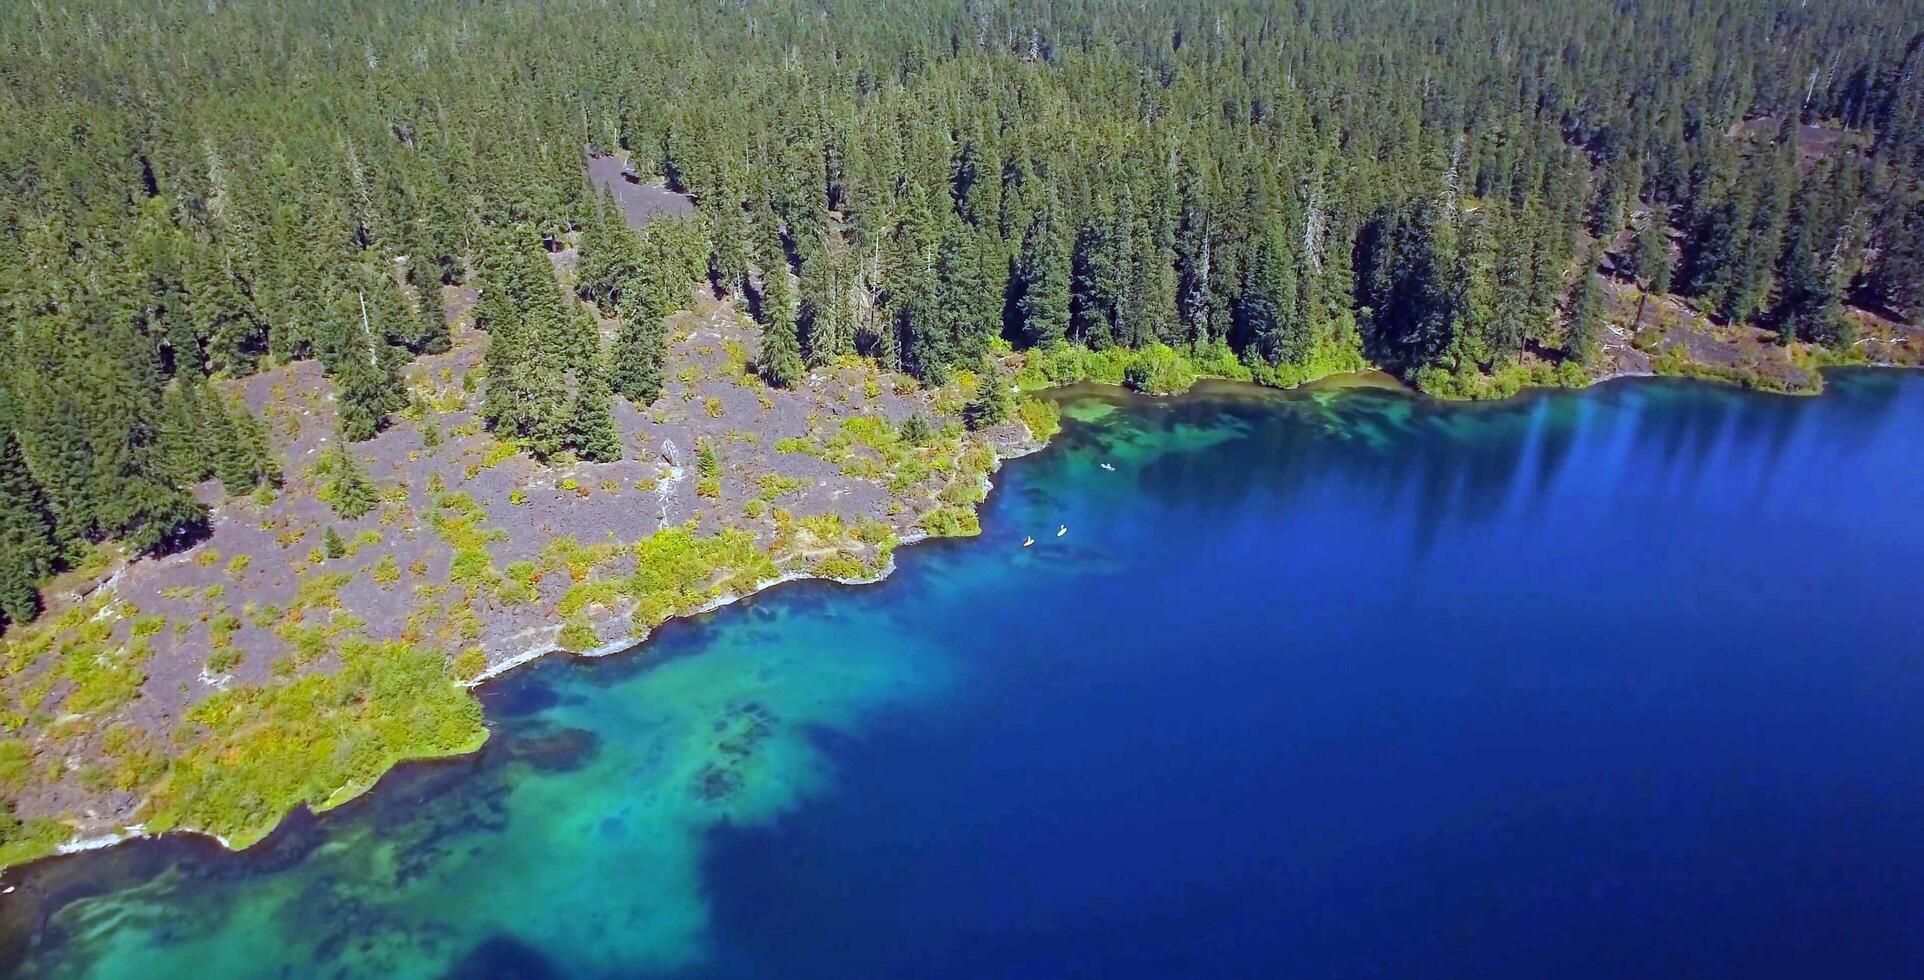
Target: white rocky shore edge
{"x": 98, "y": 842}
{"x": 630, "y": 640}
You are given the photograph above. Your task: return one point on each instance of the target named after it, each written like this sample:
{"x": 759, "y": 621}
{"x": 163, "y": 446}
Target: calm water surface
{"x": 1627, "y": 683}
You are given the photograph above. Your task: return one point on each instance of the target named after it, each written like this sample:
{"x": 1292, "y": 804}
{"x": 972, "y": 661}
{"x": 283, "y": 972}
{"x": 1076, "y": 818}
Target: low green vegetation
{"x": 775, "y": 485}
{"x": 1671, "y": 362}
{"x": 952, "y": 522}
{"x": 1161, "y": 369}
{"x": 1042, "y": 417}
{"x": 678, "y": 571}
{"x": 577, "y": 636}
{"x": 25, "y": 840}
{"x": 708, "y": 469}
{"x": 78, "y": 653}
{"x": 250, "y": 754}
{"x": 1476, "y": 385}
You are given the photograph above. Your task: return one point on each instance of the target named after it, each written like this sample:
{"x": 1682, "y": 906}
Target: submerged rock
{"x": 559, "y": 750}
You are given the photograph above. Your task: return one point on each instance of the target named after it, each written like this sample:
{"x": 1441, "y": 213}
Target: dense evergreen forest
{"x": 195, "y": 191}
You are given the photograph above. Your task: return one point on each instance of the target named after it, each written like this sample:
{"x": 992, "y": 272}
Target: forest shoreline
{"x": 633, "y": 643}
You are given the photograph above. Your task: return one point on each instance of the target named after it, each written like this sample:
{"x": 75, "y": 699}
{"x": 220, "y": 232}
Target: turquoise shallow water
{"x": 1619, "y": 683}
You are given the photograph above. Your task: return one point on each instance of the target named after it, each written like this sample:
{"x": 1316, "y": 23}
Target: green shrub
{"x": 387, "y": 571}
{"x": 1159, "y": 370}
{"x": 1042, "y": 417}
{"x": 677, "y": 571}
{"x": 578, "y": 637}
{"x": 840, "y": 565}
{"x": 255, "y": 752}
{"x": 951, "y": 522}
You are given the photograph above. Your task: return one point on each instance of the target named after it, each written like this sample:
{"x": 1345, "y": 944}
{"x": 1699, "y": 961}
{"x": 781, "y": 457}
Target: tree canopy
{"x": 191, "y": 192}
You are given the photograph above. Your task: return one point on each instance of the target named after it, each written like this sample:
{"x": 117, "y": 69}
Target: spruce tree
{"x": 826, "y": 321}
{"x": 1584, "y": 340}
{"x": 641, "y": 345}
{"x": 1268, "y": 327}
{"x": 185, "y": 440}
{"x": 780, "y": 360}
{"x": 139, "y": 501}
{"x": 345, "y": 483}
{"x": 609, "y": 255}
{"x": 535, "y": 340}
{"x": 356, "y": 349}
{"x": 592, "y": 430}
{"x": 1043, "y": 274}
{"x": 989, "y": 404}
{"x": 241, "y": 457}
{"x": 28, "y": 551}
{"x": 235, "y": 337}
{"x": 431, "y": 336}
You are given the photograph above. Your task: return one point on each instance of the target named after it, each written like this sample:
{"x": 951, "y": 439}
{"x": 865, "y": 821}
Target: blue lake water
{"x": 1622, "y": 683}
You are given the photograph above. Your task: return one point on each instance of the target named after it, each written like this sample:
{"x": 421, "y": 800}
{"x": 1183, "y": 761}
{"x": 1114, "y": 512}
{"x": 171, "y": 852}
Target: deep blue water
{"x": 1625, "y": 683}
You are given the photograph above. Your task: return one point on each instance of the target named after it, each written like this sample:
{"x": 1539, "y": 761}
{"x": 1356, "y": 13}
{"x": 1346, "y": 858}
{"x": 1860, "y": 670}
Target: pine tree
{"x": 780, "y": 360}
{"x": 1043, "y": 274}
{"x": 1650, "y": 256}
{"x": 989, "y": 404}
{"x": 241, "y": 457}
{"x": 28, "y": 551}
{"x": 592, "y": 430}
{"x": 345, "y": 483}
{"x": 1584, "y": 339}
{"x": 641, "y": 345}
{"x": 826, "y": 321}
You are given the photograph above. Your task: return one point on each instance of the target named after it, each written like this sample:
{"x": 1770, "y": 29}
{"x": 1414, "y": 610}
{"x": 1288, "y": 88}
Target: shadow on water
{"x": 503, "y": 957}
{"x": 1459, "y": 464}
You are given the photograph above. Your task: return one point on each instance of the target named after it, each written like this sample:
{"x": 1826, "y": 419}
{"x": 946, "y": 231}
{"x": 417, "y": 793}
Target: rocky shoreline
{"x": 615, "y": 628}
